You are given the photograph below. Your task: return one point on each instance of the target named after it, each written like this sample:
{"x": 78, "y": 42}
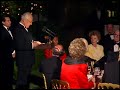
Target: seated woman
{"x": 74, "y": 68}
{"x": 48, "y": 51}
{"x": 96, "y": 51}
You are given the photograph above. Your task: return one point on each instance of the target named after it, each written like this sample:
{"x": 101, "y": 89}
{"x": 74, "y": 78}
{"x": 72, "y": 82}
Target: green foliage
{"x": 11, "y": 6}
{"x": 38, "y": 57}
{"x": 19, "y": 7}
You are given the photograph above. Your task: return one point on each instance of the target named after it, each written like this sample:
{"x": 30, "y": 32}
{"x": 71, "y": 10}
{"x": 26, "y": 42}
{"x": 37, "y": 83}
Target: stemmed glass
{"x": 96, "y": 74}
{"x": 92, "y": 66}
{"x": 89, "y": 70}
{"x": 96, "y": 71}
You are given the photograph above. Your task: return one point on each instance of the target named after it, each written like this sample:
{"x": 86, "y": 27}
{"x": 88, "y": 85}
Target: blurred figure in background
{"x": 107, "y": 39}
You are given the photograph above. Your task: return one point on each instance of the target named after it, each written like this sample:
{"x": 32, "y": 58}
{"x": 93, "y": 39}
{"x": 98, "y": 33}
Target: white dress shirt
{"x": 8, "y": 31}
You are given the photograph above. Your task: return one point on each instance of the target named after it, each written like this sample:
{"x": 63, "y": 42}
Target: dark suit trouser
{"x": 23, "y": 77}
{"x": 111, "y": 73}
{"x": 6, "y": 74}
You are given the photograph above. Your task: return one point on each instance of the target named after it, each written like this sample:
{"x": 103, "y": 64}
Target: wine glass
{"x": 97, "y": 71}
{"x": 89, "y": 69}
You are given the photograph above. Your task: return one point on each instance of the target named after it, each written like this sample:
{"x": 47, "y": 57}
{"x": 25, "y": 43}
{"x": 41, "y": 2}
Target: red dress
{"x": 76, "y": 75}
{"x": 48, "y": 54}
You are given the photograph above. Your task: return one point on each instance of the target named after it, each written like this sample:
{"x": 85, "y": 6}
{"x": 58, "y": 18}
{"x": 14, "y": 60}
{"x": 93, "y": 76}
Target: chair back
{"x": 108, "y": 86}
{"x": 45, "y": 83}
{"x": 60, "y": 84}
{"x": 39, "y": 80}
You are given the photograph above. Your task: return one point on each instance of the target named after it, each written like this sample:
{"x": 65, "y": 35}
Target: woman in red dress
{"x": 48, "y": 52}
{"x": 74, "y": 68}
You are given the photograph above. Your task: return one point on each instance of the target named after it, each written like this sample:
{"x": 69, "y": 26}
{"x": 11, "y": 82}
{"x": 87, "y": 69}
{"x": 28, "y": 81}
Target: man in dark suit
{"x": 111, "y": 74}
{"x": 107, "y": 39}
{"x": 24, "y": 46}
{"x": 114, "y": 47}
{"x": 6, "y": 50}
{"x": 51, "y": 67}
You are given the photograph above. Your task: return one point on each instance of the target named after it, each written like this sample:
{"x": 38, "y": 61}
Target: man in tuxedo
{"x": 6, "y": 52}
{"x": 114, "y": 47}
{"x": 24, "y": 46}
{"x": 112, "y": 64}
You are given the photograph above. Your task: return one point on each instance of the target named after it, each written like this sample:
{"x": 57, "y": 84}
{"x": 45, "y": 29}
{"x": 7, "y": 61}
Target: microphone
{"x": 48, "y": 31}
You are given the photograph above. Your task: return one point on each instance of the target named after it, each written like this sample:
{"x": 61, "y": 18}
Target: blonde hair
{"x": 86, "y": 42}
{"x": 77, "y": 48}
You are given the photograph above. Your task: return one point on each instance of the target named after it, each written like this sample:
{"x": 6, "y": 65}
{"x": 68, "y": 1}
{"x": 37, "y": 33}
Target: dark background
{"x": 78, "y": 17}
{"x": 67, "y": 18}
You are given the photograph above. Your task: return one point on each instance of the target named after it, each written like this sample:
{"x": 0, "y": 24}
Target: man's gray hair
{"x": 26, "y": 15}
{"x": 116, "y": 30}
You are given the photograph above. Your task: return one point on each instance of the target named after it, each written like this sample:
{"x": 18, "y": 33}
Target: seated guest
{"x": 74, "y": 68}
{"x": 48, "y": 51}
{"x": 114, "y": 47}
{"x": 111, "y": 74}
{"x": 51, "y": 67}
{"x": 95, "y": 51}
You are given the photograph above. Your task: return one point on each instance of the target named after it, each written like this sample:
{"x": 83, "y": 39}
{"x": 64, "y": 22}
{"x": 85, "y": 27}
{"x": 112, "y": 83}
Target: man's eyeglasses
{"x": 30, "y": 21}
{"x": 116, "y": 35}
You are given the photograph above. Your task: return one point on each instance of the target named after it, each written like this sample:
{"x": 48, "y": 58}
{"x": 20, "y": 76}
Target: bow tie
{"x": 8, "y": 29}
{"x": 116, "y": 43}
